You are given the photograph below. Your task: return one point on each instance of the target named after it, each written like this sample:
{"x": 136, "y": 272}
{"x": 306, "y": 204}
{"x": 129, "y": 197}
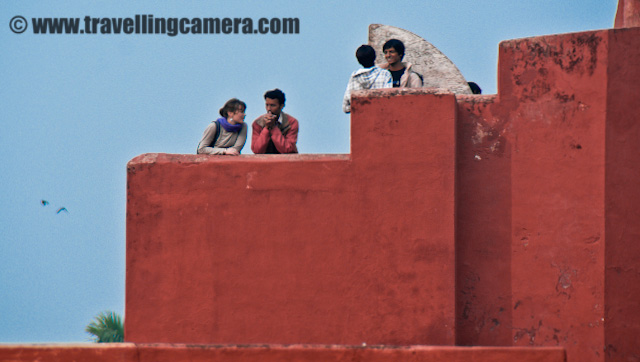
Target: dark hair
{"x": 232, "y": 105}
{"x": 275, "y": 94}
{"x": 475, "y": 89}
{"x": 366, "y": 55}
{"x": 395, "y": 44}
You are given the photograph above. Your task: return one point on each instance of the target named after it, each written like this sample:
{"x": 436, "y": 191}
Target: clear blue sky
{"x": 76, "y": 108}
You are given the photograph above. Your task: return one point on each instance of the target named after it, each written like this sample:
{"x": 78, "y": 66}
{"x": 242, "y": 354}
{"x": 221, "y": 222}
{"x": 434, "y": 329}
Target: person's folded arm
{"x": 285, "y": 143}
{"x": 260, "y": 138}
{"x": 205, "y": 145}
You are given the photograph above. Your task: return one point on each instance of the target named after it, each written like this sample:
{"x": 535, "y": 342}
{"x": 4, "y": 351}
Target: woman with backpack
{"x": 226, "y": 135}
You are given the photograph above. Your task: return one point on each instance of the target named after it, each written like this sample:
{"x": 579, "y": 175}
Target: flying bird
{"x": 44, "y": 202}
{"x": 62, "y": 209}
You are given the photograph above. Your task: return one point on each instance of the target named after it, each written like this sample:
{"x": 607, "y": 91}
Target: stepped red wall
{"x": 301, "y": 248}
{"x": 556, "y": 154}
{"x": 519, "y": 210}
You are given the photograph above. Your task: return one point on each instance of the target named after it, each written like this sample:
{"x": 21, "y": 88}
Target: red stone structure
{"x": 502, "y": 220}
{"x": 301, "y": 249}
{"x": 628, "y": 14}
{"x": 130, "y": 352}
{"x": 507, "y": 221}
{"x": 547, "y": 237}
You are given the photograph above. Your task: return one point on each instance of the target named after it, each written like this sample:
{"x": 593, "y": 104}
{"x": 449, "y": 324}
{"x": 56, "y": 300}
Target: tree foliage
{"x": 106, "y": 328}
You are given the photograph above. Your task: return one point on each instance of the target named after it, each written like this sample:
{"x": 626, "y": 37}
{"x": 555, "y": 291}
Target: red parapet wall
{"x": 557, "y": 189}
{"x": 301, "y": 249}
{"x": 547, "y": 199}
{"x": 622, "y": 202}
{"x": 129, "y": 352}
{"x": 104, "y": 352}
{"x": 496, "y": 220}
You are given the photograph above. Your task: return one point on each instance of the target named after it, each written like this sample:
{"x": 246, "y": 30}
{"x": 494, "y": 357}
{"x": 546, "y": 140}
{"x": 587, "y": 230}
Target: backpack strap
{"x": 215, "y": 138}
{"x": 217, "y": 133}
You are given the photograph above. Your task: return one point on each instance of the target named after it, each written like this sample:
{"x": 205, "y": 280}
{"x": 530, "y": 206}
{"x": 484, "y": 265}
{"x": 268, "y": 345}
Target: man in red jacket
{"x": 274, "y": 131}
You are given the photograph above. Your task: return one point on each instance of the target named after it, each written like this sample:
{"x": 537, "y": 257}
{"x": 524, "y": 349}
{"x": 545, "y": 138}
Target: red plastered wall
{"x": 483, "y": 224}
{"x": 301, "y": 248}
{"x": 496, "y": 220}
{"x": 622, "y": 205}
{"x": 129, "y": 352}
{"x": 557, "y": 85}
{"x": 553, "y": 157}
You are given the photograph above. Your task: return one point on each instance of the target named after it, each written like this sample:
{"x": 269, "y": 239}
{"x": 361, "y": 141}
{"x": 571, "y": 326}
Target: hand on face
{"x": 273, "y": 108}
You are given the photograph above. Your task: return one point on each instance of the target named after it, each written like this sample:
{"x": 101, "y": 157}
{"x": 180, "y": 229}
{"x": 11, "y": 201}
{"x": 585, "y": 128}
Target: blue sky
{"x": 76, "y": 108}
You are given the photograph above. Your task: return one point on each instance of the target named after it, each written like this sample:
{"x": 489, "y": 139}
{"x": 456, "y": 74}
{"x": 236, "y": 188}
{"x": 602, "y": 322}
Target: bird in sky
{"x": 44, "y": 202}
{"x": 62, "y": 209}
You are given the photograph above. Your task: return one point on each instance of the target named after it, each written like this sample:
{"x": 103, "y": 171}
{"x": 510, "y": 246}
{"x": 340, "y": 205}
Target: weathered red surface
{"x": 301, "y": 249}
{"x": 628, "y": 14}
{"x": 483, "y": 224}
{"x": 104, "y": 352}
{"x": 129, "y": 352}
{"x": 349, "y": 354}
{"x": 553, "y": 158}
{"x": 622, "y": 203}
{"x": 558, "y": 87}
{"x": 345, "y": 249}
